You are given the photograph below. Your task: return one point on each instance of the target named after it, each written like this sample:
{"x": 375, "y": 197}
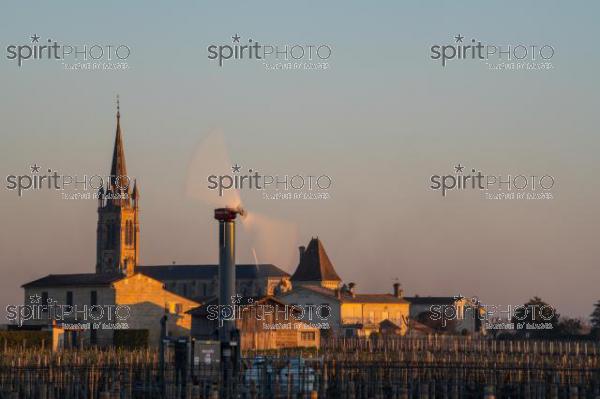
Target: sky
{"x": 380, "y": 121}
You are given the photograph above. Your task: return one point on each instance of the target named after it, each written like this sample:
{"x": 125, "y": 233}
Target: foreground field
{"x": 431, "y": 367}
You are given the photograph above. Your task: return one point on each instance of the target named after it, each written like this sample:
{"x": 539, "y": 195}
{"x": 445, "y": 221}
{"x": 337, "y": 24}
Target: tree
{"x": 595, "y": 316}
{"x": 595, "y": 320}
{"x": 570, "y": 328}
{"x": 533, "y": 317}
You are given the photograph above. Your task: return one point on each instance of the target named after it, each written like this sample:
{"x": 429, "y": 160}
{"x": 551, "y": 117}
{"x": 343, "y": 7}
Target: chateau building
{"x": 316, "y": 284}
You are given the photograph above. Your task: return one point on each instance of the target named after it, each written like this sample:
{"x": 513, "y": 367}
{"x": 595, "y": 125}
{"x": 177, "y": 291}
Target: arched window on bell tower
{"x": 116, "y": 235}
{"x": 109, "y": 236}
{"x": 130, "y": 232}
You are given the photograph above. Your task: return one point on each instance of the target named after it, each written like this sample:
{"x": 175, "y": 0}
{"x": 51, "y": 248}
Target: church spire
{"x": 117, "y": 247}
{"x": 118, "y": 167}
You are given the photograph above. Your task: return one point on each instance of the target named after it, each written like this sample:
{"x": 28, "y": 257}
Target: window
{"x": 127, "y": 232}
{"x": 108, "y": 235}
{"x": 115, "y": 236}
{"x": 130, "y": 232}
{"x": 70, "y": 298}
{"x": 307, "y": 336}
{"x": 93, "y": 298}
{"x": 310, "y": 311}
{"x": 44, "y": 298}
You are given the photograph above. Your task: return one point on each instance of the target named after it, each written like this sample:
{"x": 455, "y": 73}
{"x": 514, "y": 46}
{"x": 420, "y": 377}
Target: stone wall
{"x": 149, "y": 302}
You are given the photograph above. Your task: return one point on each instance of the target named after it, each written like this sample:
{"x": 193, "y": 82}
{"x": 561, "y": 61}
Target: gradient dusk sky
{"x": 380, "y": 122}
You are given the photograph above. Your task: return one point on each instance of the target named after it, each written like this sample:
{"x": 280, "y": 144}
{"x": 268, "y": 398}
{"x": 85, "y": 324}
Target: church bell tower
{"x": 118, "y": 232}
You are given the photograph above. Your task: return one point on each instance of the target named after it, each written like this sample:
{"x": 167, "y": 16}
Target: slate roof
{"x": 161, "y": 273}
{"x": 425, "y": 300}
{"x": 372, "y": 298}
{"x": 356, "y": 298}
{"x": 80, "y": 279}
{"x": 315, "y": 265}
{"x": 207, "y": 272}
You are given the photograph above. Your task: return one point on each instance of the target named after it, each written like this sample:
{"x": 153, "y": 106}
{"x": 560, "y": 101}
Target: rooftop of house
{"x": 348, "y": 297}
{"x": 314, "y": 264}
{"x": 434, "y": 300}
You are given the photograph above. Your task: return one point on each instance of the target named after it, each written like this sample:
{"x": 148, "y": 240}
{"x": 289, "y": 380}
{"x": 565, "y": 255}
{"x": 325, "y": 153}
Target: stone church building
{"x": 120, "y": 293}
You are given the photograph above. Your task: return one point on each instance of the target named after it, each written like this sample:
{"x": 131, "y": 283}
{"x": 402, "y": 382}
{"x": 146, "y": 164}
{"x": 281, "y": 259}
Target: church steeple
{"x": 117, "y": 248}
{"x": 118, "y": 169}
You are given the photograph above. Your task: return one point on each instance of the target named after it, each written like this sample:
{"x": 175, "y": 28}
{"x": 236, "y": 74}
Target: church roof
{"x": 315, "y": 264}
{"x": 206, "y": 272}
{"x": 80, "y": 279}
{"x": 165, "y": 272}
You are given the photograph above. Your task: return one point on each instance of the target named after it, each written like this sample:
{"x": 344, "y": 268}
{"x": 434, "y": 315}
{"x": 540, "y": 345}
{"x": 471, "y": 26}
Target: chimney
{"x": 301, "y": 249}
{"x": 226, "y": 218}
{"x": 351, "y": 287}
{"x": 398, "y": 292}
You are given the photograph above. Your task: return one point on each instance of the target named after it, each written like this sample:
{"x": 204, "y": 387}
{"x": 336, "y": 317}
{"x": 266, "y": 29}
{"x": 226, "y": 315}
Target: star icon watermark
{"x": 236, "y": 168}
{"x": 459, "y": 38}
{"x": 35, "y": 168}
{"x": 459, "y": 168}
{"x": 35, "y": 299}
{"x": 35, "y": 38}
{"x": 236, "y": 299}
{"x": 236, "y": 38}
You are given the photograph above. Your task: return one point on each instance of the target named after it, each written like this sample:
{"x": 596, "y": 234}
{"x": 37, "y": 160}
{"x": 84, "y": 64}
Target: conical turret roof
{"x": 315, "y": 264}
